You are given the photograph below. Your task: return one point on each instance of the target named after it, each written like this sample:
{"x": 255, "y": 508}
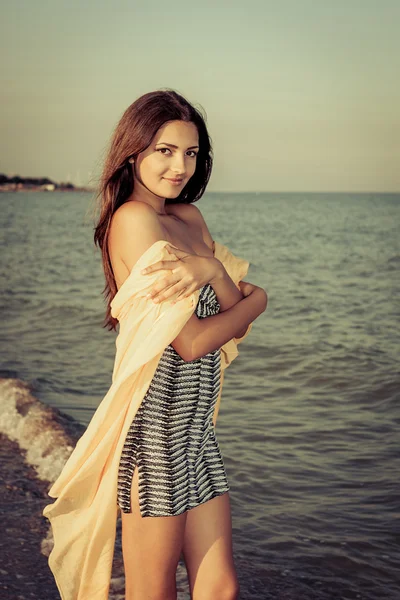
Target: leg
{"x": 207, "y": 551}
{"x": 151, "y": 548}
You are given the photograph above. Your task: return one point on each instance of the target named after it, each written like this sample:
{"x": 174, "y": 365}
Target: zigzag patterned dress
{"x": 172, "y": 438}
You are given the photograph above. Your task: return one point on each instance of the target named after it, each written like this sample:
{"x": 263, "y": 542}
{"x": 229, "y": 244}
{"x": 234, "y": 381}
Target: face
{"x": 171, "y": 155}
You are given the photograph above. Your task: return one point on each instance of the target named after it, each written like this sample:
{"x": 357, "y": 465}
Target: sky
{"x": 299, "y": 95}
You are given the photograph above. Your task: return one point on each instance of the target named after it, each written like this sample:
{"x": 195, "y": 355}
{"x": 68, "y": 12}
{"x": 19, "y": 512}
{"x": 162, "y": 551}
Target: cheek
{"x": 151, "y": 166}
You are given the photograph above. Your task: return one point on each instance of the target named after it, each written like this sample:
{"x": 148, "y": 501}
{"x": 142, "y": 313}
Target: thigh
{"x": 207, "y": 549}
{"x": 151, "y": 548}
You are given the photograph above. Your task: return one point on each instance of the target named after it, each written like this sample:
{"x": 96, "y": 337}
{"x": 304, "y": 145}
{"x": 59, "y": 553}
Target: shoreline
{"x": 5, "y": 189}
{"x": 24, "y": 570}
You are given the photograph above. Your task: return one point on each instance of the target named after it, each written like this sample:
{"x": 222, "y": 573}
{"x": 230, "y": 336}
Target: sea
{"x": 309, "y": 424}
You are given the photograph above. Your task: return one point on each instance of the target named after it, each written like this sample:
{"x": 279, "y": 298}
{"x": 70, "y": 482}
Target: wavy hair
{"x": 132, "y": 135}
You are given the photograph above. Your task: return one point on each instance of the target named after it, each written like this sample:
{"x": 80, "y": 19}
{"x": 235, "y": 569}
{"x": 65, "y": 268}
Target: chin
{"x": 172, "y": 194}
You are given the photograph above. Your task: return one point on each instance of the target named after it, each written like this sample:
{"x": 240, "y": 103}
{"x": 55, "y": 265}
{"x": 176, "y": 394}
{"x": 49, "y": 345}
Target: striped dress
{"x": 172, "y": 438}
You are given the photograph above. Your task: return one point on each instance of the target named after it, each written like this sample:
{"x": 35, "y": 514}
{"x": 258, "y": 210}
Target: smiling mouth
{"x": 173, "y": 180}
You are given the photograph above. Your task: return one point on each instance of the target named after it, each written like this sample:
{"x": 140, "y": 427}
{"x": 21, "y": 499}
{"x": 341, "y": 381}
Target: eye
{"x": 162, "y": 150}
{"x": 194, "y": 154}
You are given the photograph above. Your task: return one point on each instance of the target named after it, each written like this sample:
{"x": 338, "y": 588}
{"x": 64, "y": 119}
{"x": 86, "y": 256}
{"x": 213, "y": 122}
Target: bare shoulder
{"x": 135, "y": 218}
{"x": 186, "y": 211}
{"x": 134, "y": 209}
{"x": 134, "y": 227}
{"x": 193, "y": 216}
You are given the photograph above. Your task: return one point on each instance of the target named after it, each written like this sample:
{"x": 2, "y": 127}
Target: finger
{"x": 161, "y": 285}
{"x": 168, "y": 293}
{"x": 174, "y": 278}
{"x": 186, "y": 292}
{"x": 166, "y": 281}
{"x": 178, "y": 252}
{"x": 161, "y": 264}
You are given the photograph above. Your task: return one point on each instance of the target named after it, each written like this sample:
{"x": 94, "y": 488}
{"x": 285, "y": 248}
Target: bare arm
{"x": 203, "y": 270}
{"x": 136, "y": 228}
{"x": 191, "y": 271}
{"x": 200, "y": 336}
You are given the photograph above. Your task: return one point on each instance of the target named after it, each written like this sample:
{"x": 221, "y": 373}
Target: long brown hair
{"x": 133, "y": 134}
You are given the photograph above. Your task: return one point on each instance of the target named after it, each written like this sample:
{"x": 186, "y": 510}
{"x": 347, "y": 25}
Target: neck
{"x": 143, "y": 194}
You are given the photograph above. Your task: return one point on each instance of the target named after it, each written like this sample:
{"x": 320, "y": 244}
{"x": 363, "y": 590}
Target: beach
{"x": 24, "y": 570}
{"x": 308, "y": 424}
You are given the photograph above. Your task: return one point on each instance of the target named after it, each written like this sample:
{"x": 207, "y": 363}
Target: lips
{"x": 173, "y": 180}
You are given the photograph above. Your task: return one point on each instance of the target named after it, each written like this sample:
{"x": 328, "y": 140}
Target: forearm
{"x": 201, "y": 336}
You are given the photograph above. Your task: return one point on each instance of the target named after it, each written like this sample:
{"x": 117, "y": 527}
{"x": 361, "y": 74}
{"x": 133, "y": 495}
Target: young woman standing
{"x": 172, "y": 488}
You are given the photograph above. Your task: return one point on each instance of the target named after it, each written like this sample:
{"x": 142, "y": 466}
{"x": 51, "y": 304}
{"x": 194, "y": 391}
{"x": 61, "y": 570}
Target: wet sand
{"x": 24, "y": 571}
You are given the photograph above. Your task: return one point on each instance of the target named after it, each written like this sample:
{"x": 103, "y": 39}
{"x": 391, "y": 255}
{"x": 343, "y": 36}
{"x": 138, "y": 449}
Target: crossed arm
{"x": 189, "y": 272}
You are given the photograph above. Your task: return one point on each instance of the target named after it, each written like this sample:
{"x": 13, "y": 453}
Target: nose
{"x": 178, "y": 163}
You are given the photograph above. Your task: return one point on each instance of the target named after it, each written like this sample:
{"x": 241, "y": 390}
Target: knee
{"x": 223, "y": 589}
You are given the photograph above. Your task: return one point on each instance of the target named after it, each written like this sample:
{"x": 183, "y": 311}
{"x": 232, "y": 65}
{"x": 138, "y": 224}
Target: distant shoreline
{"x": 22, "y": 188}
{"x": 16, "y": 183}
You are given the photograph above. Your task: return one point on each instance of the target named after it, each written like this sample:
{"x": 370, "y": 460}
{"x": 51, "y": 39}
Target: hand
{"x": 188, "y": 272}
{"x": 246, "y": 288}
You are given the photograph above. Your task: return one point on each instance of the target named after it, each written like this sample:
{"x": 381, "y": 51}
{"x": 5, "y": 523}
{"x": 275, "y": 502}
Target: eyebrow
{"x": 173, "y": 145}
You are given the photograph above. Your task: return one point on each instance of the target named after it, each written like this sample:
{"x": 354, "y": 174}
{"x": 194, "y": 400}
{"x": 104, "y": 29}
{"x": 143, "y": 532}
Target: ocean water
{"x": 309, "y": 420}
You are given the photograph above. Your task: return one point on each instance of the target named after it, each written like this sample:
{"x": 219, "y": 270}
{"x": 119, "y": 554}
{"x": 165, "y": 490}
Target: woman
{"x": 165, "y": 168}
{"x": 172, "y": 488}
